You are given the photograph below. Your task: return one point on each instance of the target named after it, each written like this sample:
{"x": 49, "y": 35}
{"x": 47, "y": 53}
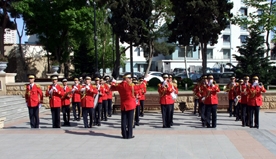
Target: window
{"x": 244, "y": 27}
{"x": 181, "y": 52}
{"x": 243, "y": 11}
{"x": 226, "y": 38}
{"x": 209, "y": 53}
{"x": 226, "y": 53}
{"x": 228, "y": 25}
{"x": 138, "y": 51}
{"x": 190, "y": 51}
{"x": 243, "y": 38}
{"x": 260, "y": 12}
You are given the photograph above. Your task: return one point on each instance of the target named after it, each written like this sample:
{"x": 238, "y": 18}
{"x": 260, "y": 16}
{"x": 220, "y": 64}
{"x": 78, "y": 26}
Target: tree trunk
{"x": 151, "y": 45}
{"x": 204, "y": 56}
{"x": 131, "y": 59}
{"x": 104, "y": 43}
{"x": 185, "y": 61}
{"x": 116, "y": 68}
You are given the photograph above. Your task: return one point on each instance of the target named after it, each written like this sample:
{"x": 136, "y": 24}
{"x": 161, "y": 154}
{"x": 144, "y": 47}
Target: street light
{"x": 95, "y": 36}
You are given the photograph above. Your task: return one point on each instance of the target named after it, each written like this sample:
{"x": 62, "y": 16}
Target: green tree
{"x": 200, "y": 21}
{"x": 263, "y": 18}
{"x": 251, "y": 60}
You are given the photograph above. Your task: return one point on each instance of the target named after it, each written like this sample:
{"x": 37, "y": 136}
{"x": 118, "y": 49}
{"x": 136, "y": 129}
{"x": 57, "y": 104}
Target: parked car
{"x": 193, "y": 76}
{"x": 153, "y": 74}
{"x": 225, "y": 77}
{"x": 178, "y": 71}
{"x": 216, "y": 76}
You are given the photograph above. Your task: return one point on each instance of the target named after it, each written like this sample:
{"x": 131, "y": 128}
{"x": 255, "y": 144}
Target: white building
{"x": 10, "y": 36}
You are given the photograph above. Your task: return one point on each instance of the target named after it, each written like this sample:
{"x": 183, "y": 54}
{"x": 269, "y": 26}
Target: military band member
{"x": 105, "y": 88}
{"x": 143, "y": 86}
{"x": 244, "y": 102}
{"x": 137, "y": 94}
{"x": 109, "y": 96}
{"x": 76, "y": 99}
{"x": 88, "y": 91}
{"x": 33, "y": 97}
{"x": 255, "y": 101}
{"x": 165, "y": 89}
{"x": 66, "y": 101}
{"x": 98, "y": 109}
{"x": 230, "y": 89}
{"x": 201, "y": 94}
{"x": 128, "y": 104}
{"x": 196, "y": 98}
{"x": 211, "y": 101}
{"x": 237, "y": 100}
{"x": 55, "y": 92}
{"x": 174, "y": 96}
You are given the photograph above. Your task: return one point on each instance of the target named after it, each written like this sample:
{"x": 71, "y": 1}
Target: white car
{"x": 153, "y": 74}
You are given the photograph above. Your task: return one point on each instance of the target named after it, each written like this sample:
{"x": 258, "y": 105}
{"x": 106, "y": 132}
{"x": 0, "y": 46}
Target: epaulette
{"x": 94, "y": 86}
{"x": 38, "y": 86}
{"x": 69, "y": 87}
{"x": 159, "y": 85}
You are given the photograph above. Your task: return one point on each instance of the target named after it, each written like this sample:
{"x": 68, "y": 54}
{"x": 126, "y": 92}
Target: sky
{"x": 20, "y": 25}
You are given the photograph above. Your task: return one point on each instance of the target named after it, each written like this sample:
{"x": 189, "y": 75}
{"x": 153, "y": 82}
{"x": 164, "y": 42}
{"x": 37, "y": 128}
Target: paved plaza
{"x": 186, "y": 139}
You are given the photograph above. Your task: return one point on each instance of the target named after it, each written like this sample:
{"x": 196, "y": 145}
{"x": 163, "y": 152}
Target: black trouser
{"x": 97, "y": 116}
{"x": 66, "y": 114}
{"x": 254, "y": 110}
{"x": 55, "y": 117}
{"x": 137, "y": 114}
{"x": 126, "y": 123}
{"x": 166, "y": 115}
{"x": 230, "y": 108}
{"x": 244, "y": 114}
{"x": 203, "y": 113}
{"x": 109, "y": 106}
{"x": 34, "y": 116}
{"x": 238, "y": 111}
{"x": 104, "y": 110}
{"x": 85, "y": 113}
{"x": 142, "y": 107}
{"x": 196, "y": 103}
{"x": 76, "y": 105}
{"x": 211, "y": 109}
{"x": 172, "y": 112}
{"x": 248, "y": 111}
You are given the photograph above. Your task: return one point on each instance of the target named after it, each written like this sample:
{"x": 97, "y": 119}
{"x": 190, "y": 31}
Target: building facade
{"x": 10, "y": 36}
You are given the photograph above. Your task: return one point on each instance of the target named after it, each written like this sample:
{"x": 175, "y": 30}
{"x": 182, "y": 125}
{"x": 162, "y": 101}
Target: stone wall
{"x": 152, "y": 98}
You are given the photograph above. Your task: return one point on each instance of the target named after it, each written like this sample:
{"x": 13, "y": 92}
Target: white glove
{"x": 51, "y": 91}
{"x": 87, "y": 87}
{"x": 203, "y": 99}
{"x": 27, "y": 104}
{"x": 73, "y": 90}
{"x": 83, "y": 89}
{"x": 164, "y": 83}
{"x": 39, "y": 106}
{"x": 76, "y": 88}
{"x": 113, "y": 80}
{"x": 55, "y": 89}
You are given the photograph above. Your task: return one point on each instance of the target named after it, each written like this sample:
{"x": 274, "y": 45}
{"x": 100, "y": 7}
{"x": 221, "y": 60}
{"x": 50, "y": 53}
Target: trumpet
{"x": 237, "y": 100}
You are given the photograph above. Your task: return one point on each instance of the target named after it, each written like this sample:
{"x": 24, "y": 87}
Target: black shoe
{"x": 131, "y": 137}
{"x": 208, "y": 126}
{"x": 99, "y": 124}
{"x": 256, "y": 127}
{"x": 164, "y": 126}
{"x": 105, "y": 119}
{"x": 137, "y": 124}
{"x": 64, "y": 124}
{"x": 243, "y": 125}
{"x": 142, "y": 115}
{"x": 237, "y": 120}
{"x": 78, "y": 119}
{"x": 133, "y": 126}
{"x": 109, "y": 115}
{"x": 230, "y": 115}
{"x": 68, "y": 124}
{"x": 74, "y": 119}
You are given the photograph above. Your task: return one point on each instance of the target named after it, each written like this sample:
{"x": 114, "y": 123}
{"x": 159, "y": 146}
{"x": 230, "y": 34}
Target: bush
{"x": 153, "y": 82}
{"x": 188, "y": 81}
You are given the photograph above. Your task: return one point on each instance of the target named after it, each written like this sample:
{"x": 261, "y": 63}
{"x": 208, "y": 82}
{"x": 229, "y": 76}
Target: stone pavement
{"x": 186, "y": 139}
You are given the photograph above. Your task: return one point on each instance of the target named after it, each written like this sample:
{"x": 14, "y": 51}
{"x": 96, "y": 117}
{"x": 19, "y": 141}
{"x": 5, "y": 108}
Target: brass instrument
{"x": 66, "y": 94}
{"x": 237, "y": 100}
{"x": 83, "y": 93}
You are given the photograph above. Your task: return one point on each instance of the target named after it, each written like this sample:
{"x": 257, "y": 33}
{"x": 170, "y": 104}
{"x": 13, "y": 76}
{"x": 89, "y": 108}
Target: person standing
{"x": 109, "y": 96}
{"x": 55, "y": 92}
{"x": 196, "y": 98}
{"x": 88, "y": 91}
{"x": 255, "y": 101}
{"x": 201, "y": 94}
{"x": 165, "y": 89}
{"x": 211, "y": 101}
{"x": 230, "y": 89}
{"x": 98, "y": 109}
{"x": 66, "y": 101}
{"x": 104, "y": 88}
{"x": 174, "y": 96}
{"x": 128, "y": 104}
{"x": 244, "y": 101}
{"x": 143, "y": 86}
{"x": 237, "y": 100}
{"x": 76, "y": 99}
{"x": 34, "y": 98}
{"x": 137, "y": 94}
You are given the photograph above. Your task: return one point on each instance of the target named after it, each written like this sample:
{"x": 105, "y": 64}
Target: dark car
{"x": 193, "y": 76}
{"x": 136, "y": 74}
{"x": 216, "y": 76}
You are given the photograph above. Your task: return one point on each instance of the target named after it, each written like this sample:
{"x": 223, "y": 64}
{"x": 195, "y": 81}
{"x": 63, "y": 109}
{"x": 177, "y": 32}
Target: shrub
{"x": 188, "y": 81}
{"x": 153, "y": 82}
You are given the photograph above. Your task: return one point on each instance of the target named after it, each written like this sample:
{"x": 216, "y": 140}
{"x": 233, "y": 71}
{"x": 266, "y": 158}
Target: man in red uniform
{"x": 211, "y": 101}
{"x": 174, "y": 96}
{"x": 88, "y": 91}
{"x": 201, "y": 94}
{"x": 98, "y": 107}
{"x": 196, "y": 98}
{"x": 76, "y": 99}
{"x": 244, "y": 101}
{"x": 66, "y": 101}
{"x": 237, "y": 100}
{"x": 165, "y": 89}
{"x": 105, "y": 88}
{"x": 143, "y": 86}
{"x": 55, "y": 92}
{"x": 109, "y": 96}
{"x": 137, "y": 94}
{"x": 230, "y": 89}
{"x": 255, "y": 101}
{"x": 33, "y": 97}
{"x": 128, "y": 104}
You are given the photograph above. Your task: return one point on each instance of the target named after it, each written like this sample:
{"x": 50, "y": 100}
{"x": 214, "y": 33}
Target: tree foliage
{"x": 251, "y": 60}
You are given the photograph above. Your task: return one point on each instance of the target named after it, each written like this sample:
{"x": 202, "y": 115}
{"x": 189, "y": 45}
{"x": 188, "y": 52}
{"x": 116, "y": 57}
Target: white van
{"x": 225, "y": 77}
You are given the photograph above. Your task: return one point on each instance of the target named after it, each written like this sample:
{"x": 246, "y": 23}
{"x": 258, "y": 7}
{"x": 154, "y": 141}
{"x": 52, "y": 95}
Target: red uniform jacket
{"x": 126, "y": 91}
{"x": 165, "y": 94}
{"x": 143, "y": 87}
{"x": 108, "y": 91}
{"x": 230, "y": 88}
{"x": 196, "y": 91}
{"x": 87, "y": 100}
{"x": 200, "y": 93}
{"x": 102, "y": 95}
{"x": 55, "y": 96}
{"x": 76, "y": 96}
{"x": 244, "y": 94}
{"x": 67, "y": 95}
{"x": 33, "y": 96}
{"x": 255, "y": 95}
{"x": 105, "y": 89}
{"x": 211, "y": 97}
{"x": 137, "y": 94}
